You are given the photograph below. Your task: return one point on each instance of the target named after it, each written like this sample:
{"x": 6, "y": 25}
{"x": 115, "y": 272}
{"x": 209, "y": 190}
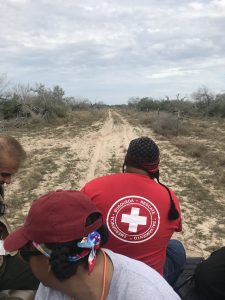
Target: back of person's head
{"x": 66, "y": 227}
{"x": 66, "y": 257}
{"x": 143, "y": 154}
{"x": 11, "y": 148}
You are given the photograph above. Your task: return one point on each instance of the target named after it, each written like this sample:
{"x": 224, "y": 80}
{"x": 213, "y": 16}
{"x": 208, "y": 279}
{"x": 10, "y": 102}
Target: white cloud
{"x": 110, "y": 48}
{"x": 17, "y": 1}
{"x": 172, "y": 72}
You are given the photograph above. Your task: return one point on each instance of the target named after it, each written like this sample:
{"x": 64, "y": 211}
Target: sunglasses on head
{"x": 26, "y": 254}
{"x": 6, "y": 174}
{"x": 33, "y": 249}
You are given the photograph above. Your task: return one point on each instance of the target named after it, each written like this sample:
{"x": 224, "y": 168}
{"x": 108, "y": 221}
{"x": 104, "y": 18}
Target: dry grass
{"x": 192, "y": 164}
{"x": 43, "y": 164}
{"x": 202, "y": 139}
{"x": 114, "y": 163}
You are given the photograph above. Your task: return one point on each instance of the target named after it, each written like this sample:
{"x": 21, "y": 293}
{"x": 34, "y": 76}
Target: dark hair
{"x": 143, "y": 154}
{"x": 173, "y": 213}
{"x": 60, "y": 266}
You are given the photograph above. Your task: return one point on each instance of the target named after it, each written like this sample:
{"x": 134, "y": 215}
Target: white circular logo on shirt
{"x": 133, "y": 219}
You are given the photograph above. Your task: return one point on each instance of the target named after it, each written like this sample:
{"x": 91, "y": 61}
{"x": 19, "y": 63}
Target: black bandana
{"x": 144, "y": 153}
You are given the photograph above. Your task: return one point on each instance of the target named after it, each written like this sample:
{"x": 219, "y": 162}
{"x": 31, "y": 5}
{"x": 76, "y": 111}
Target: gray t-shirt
{"x": 131, "y": 280}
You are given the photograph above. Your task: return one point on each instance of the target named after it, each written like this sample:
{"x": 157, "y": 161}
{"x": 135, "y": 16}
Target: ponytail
{"x": 173, "y": 213}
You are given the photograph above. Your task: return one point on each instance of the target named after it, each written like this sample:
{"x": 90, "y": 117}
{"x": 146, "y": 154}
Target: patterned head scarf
{"x": 89, "y": 244}
{"x": 143, "y": 153}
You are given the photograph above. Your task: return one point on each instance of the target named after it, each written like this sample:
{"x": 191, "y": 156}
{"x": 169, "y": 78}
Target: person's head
{"x": 12, "y": 155}
{"x": 143, "y": 155}
{"x": 63, "y": 227}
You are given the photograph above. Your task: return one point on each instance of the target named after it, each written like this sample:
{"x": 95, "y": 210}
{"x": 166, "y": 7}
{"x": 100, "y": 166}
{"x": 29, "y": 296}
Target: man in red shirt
{"x": 140, "y": 212}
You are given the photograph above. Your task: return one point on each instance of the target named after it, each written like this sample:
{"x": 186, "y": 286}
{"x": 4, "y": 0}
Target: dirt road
{"x": 66, "y": 157}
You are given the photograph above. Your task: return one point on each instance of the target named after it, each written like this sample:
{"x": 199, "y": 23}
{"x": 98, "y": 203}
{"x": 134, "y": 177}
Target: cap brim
{"x": 15, "y": 240}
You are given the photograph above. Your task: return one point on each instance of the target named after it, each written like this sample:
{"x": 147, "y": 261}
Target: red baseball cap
{"x": 56, "y": 217}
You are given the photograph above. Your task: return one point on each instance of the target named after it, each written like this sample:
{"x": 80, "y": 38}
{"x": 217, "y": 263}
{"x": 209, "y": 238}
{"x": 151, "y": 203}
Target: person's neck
{"x": 86, "y": 285}
{"x": 136, "y": 170}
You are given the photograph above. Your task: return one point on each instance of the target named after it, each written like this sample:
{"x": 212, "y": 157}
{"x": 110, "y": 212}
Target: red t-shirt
{"x": 135, "y": 209}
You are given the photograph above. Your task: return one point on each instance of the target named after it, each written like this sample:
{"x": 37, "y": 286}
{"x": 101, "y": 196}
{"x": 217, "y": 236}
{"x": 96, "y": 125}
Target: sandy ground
{"x": 81, "y": 156}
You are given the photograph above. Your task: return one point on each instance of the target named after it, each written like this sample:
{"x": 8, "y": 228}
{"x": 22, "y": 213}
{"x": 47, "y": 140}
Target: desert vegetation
{"x": 193, "y": 163}
{"x": 70, "y": 141}
{"x": 200, "y": 103}
{"x": 26, "y": 106}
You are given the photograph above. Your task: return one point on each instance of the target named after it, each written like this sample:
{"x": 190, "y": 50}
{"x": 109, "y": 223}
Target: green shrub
{"x": 8, "y": 109}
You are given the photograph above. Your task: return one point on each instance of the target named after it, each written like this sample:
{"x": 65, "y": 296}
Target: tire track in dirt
{"x": 65, "y": 158}
{"x": 111, "y": 140}
{"x": 81, "y": 156}
{"x": 99, "y": 151}
{"x": 176, "y": 168}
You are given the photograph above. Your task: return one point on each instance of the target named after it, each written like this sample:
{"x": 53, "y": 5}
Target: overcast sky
{"x": 112, "y": 50}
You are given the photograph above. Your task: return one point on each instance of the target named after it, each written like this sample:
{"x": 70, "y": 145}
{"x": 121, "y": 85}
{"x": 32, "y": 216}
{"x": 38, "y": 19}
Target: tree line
{"x": 38, "y": 102}
{"x": 201, "y": 103}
